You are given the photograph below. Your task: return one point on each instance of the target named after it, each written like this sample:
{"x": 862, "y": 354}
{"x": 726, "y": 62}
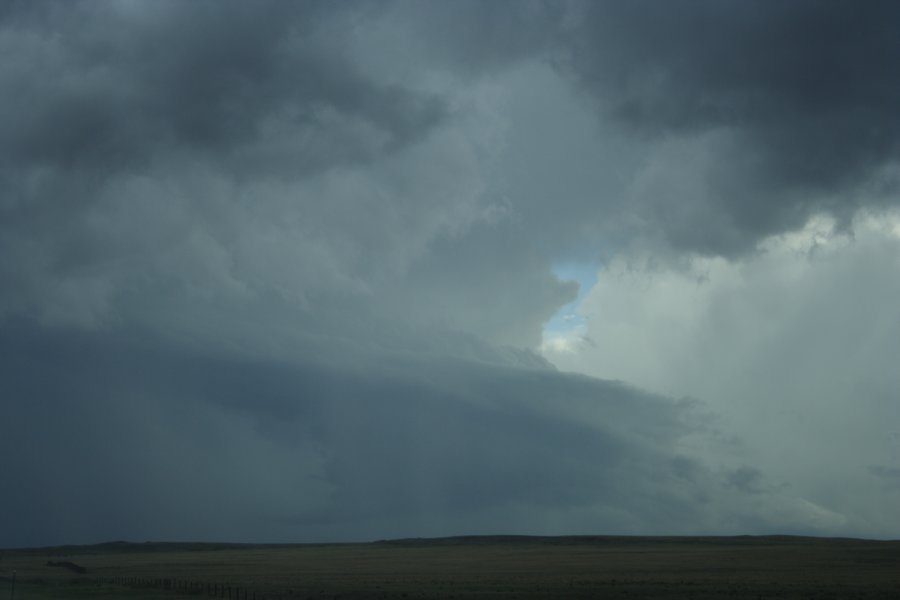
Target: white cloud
{"x": 794, "y": 347}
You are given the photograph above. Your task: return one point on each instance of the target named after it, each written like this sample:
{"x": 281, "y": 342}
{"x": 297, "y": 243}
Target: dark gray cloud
{"x": 121, "y": 434}
{"x": 155, "y": 112}
{"x": 747, "y": 479}
{"x": 164, "y": 128}
{"x": 121, "y": 86}
{"x": 733, "y": 121}
{"x": 889, "y": 476}
{"x": 473, "y": 38}
{"x": 796, "y": 101}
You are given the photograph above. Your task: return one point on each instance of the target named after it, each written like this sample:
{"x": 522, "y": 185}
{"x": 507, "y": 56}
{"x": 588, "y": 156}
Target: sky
{"x": 320, "y": 271}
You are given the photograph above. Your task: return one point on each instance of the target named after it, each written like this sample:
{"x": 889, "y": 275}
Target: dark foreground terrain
{"x": 464, "y": 568}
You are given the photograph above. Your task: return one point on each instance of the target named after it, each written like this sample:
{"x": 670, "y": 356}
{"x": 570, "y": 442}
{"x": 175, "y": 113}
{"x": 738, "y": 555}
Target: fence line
{"x": 199, "y": 588}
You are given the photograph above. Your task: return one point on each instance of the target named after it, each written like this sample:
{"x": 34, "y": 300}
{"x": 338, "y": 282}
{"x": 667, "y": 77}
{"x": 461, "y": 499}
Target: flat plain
{"x": 465, "y": 568}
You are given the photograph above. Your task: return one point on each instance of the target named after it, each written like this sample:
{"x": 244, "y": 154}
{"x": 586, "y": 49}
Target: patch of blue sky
{"x": 567, "y": 319}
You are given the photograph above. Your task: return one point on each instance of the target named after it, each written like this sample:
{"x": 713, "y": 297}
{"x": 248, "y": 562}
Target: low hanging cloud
{"x": 146, "y": 438}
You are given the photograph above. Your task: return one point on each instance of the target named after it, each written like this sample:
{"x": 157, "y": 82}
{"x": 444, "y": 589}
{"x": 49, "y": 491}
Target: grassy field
{"x": 470, "y": 568}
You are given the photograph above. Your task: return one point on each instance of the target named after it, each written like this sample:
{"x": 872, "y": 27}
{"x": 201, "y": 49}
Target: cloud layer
{"x": 280, "y": 271}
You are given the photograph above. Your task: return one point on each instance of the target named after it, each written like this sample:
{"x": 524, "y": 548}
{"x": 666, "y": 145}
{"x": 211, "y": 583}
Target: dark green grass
{"x": 479, "y": 568}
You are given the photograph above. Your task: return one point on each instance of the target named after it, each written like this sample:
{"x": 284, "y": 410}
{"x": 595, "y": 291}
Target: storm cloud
{"x": 138, "y": 438}
{"x": 784, "y": 110}
{"x": 282, "y": 271}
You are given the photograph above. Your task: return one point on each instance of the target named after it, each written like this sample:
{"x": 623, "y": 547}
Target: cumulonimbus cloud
{"x": 284, "y": 257}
